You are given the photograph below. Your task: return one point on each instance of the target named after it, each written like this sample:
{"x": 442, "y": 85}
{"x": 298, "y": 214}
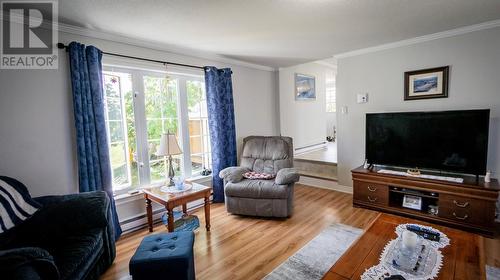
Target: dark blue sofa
{"x": 71, "y": 237}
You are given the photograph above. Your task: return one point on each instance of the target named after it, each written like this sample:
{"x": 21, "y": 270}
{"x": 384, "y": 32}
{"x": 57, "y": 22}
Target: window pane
{"x": 198, "y": 127}
{"x": 171, "y": 125}
{"x": 116, "y": 131}
{"x": 195, "y": 127}
{"x": 197, "y": 163}
{"x": 114, "y": 109}
{"x": 155, "y": 128}
{"x": 152, "y": 148}
{"x": 330, "y": 93}
{"x": 121, "y": 129}
{"x": 159, "y": 169}
{"x": 161, "y": 101}
{"x": 119, "y": 163}
{"x": 196, "y": 144}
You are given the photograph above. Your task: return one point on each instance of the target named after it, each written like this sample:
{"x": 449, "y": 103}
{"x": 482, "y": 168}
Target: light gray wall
{"x": 474, "y": 60}
{"x": 36, "y": 115}
{"x": 37, "y": 132}
{"x": 304, "y": 121}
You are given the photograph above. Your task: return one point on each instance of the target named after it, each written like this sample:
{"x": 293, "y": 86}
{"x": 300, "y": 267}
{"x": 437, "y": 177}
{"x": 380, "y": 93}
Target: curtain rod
{"x": 62, "y": 46}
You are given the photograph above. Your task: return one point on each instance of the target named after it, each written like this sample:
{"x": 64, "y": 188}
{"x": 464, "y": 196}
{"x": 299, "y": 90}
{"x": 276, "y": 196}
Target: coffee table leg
{"x": 170, "y": 224}
{"x": 149, "y": 211}
{"x": 207, "y": 213}
{"x": 184, "y": 208}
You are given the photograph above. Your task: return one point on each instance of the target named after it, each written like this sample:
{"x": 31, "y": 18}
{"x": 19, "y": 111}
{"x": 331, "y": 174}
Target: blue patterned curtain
{"x": 94, "y": 170}
{"x": 220, "y": 106}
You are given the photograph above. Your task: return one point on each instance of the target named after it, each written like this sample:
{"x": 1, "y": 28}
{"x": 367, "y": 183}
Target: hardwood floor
{"x": 249, "y": 248}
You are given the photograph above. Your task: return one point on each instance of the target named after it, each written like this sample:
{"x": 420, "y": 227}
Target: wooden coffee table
{"x": 172, "y": 200}
{"x": 463, "y": 258}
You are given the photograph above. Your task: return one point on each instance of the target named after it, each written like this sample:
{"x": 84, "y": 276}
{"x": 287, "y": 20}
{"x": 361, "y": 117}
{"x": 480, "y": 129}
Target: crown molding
{"x": 422, "y": 39}
{"x": 319, "y": 62}
{"x": 326, "y": 64}
{"x": 119, "y": 38}
{"x": 150, "y": 44}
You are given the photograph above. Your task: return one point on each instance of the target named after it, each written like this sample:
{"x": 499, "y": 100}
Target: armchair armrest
{"x": 74, "y": 212}
{"x": 27, "y": 263}
{"x": 287, "y": 176}
{"x": 233, "y": 174}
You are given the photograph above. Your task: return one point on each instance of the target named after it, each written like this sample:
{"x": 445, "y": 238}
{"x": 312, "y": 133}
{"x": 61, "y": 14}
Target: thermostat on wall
{"x": 362, "y": 98}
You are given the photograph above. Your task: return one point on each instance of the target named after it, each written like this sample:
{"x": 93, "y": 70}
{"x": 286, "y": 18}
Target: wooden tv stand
{"x": 469, "y": 205}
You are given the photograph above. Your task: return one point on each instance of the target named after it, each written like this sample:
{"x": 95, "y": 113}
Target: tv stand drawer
{"x": 371, "y": 192}
{"x": 466, "y": 210}
{"x": 469, "y": 205}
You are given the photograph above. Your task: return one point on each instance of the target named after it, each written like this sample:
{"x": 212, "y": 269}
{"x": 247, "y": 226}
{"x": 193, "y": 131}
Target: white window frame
{"x": 125, "y": 135}
{"x": 140, "y": 120}
{"x": 331, "y": 95}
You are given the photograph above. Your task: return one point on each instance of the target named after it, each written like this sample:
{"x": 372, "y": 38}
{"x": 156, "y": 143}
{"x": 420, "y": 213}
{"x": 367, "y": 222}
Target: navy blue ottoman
{"x": 164, "y": 256}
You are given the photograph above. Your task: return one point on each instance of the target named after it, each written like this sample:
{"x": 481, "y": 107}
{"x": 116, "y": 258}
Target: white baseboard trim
{"x": 324, "y": 184}
{"x": 141, "y": 222}
{"x": 299, "y": 151}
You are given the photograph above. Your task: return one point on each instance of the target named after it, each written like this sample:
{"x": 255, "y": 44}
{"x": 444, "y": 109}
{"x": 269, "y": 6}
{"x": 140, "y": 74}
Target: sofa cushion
{"x": 256, "y": 189}
{"x": 76, "y": 254}
{"x": 258, "y": 176}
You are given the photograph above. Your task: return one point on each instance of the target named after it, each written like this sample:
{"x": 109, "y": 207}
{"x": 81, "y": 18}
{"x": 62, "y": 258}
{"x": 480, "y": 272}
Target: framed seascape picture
{"x": 305, "y": 87}
{"x": 426, "y": 83}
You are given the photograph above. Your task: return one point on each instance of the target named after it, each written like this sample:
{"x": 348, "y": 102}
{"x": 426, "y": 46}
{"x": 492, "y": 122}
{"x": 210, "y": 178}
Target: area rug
{"x": 492, "y": 273}
{"x": 315, "y": 259}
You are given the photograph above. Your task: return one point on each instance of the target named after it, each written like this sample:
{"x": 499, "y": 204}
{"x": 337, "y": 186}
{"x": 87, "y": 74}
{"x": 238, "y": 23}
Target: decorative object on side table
{"x": 169, "y": 147}
{"x": 426, "y": 83}
{"x": 487, "y": 177}
{"x": 305, "y": 87}
{"x": 414, "y": 254}
{"x": 206, "y": 172}
{"x": 178, "y": 187}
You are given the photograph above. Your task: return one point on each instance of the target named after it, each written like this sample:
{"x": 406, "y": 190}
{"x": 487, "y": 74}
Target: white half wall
{"x": 37, "y": 144}
{"x": 474, "y": 61}
{"x": 304, "y": 121}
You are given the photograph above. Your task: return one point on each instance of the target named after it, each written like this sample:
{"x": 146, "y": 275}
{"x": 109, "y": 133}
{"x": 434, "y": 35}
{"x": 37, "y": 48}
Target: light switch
{"x": 362, "y": 98}
{"x": 343, "y": 110}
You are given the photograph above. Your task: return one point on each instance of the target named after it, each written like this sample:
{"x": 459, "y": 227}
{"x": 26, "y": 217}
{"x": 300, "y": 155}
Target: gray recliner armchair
{"x": 265, "y": 198}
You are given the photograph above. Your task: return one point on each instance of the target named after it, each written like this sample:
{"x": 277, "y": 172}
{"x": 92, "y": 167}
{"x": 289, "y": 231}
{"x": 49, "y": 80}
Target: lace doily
{"x": 430, "y": 268}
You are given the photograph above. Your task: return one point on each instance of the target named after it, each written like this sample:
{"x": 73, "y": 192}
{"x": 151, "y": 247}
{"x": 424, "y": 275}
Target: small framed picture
{"x": 427, "y": 83}
{"x": 305, "y": 87}
{"x": 412, "y": 202}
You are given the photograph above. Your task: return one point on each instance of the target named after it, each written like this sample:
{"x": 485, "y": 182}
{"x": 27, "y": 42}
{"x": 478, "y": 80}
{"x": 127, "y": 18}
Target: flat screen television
{"x": 451, "y": 141}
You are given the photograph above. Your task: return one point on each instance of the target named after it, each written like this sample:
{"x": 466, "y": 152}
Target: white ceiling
{"x": 276, "y": 33}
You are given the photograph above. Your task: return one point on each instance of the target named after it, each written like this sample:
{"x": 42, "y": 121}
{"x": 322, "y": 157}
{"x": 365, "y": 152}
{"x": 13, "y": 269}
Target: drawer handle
{"x": 460, "y": 218}
{"x": 372, "y": 189}
{"x": 462, "y": 205}
{"x": 372, "y": 199}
